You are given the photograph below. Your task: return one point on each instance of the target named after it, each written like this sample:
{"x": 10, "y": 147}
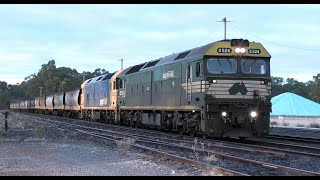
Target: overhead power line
{"x": 275, "y": 43}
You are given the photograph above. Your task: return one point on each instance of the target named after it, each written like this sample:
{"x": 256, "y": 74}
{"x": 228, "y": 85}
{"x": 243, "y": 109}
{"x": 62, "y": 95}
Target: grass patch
{"x": 199, "y": 150}
{"x": 41, "y": 132}
{"x": 3, "y": 134}
{"x": 20, "y": 124}
{"x": 125, "y": 144}
{"x": 194, "y": 148}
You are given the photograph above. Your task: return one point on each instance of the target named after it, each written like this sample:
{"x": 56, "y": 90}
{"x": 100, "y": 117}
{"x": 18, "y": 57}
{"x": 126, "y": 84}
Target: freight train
{"x": 222, "y": 89}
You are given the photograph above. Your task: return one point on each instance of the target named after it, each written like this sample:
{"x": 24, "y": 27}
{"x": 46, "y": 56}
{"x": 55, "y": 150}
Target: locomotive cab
{"x": 237, "y": 89}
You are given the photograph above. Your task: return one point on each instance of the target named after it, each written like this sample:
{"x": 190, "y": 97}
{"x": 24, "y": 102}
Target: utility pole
{"x": 84, "y": 77}
{"x": 121, "y": 63}
{"x": 6, "y": 120}
{"x": 224, "y": 20}
{"x": 40, "y": 91}
{"x": 62, "y": 82}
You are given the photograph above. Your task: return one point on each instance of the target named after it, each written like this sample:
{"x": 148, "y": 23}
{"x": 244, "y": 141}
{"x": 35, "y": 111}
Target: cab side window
{"x": 198, "y": 69}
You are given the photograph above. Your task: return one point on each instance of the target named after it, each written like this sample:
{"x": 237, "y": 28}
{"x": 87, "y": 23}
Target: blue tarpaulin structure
{"x": 289, "y": 104}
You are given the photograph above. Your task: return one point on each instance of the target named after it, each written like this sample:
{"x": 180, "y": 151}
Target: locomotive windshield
{"x": 254, "y": 66}
{"x": 247, "y": 66}
{"x": 222, "y": 65}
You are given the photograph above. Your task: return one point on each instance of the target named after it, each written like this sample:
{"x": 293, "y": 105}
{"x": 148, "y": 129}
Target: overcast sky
{"x": 86, "y": 37}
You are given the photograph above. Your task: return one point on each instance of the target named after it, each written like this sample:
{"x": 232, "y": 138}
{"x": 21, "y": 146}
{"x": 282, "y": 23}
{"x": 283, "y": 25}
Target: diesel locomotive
{"x": 222, "y": 89}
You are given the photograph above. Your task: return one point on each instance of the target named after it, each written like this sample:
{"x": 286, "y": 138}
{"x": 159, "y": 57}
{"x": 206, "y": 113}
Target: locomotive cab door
{"x": 189, "y": 82}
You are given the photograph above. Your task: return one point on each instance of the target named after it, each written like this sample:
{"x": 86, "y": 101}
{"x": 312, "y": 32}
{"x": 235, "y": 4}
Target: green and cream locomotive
{"x": 220, "y": 89}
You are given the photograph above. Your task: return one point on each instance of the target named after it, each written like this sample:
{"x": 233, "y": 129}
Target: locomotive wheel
{"x": 193, "y": 132}
{"x": 181, "y": 130}
{"x": 136, "y": 124}
{"x": 204, "y": 136}
{"x": 131, "y": 123}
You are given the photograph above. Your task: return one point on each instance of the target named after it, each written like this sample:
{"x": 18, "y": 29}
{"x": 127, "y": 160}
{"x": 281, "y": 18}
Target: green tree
{"x": 4, "y": 95}
{"x": 315, "y": 89}
{"x": 276, "y": 86}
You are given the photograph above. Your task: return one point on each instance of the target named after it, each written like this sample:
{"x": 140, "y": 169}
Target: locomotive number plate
{"x": 254, "y": 51}
{"x": 224, "y": 50}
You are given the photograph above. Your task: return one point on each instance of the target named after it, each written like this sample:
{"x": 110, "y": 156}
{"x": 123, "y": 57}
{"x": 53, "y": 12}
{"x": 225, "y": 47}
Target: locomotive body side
{"x": 99, "y": 98}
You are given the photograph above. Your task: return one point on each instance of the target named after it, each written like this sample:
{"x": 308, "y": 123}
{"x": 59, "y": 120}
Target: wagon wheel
{"x": 136, "y": 124}
{"x": 112, "y": 121}
{"x": 107, "y": 120}
{"x": 78, "y": 116}
{"x": 131, "y": 123}
{"x": 89, "y": 117}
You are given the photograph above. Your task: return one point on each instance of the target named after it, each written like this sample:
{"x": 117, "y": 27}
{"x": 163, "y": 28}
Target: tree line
{"x": 54, "y": 80}
{"x": 50, "y": 78}
{"x": 309, "y": 90}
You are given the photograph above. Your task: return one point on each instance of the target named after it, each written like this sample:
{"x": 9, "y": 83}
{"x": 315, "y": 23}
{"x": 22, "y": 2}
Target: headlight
{"x": 262, "y": 82}
{"x": 214, "y": 81}
{"x": 253, "y": 114}
{"x": 240, "y": 50}
{"x": 224, "y": 114}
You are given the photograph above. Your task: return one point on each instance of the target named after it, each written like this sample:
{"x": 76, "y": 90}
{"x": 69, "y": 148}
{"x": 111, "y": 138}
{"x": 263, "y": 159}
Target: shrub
{"x": 41, "y": 132}
{"x": 314, "y": 125}
{"x": 300, "y": 125}
{"x": 285, "y": 123}
{"x": 125, "y": 144}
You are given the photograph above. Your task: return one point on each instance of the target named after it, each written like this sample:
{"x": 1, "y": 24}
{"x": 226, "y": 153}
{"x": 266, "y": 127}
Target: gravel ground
{"x": 28, "y": 149}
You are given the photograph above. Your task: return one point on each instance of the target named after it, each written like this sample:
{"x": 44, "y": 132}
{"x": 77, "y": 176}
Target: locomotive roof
{"x": 197, "y": 53}
{"x": 98, "y": 79}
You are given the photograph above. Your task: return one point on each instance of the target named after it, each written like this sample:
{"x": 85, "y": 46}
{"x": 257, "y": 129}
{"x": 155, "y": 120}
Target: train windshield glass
{"x": 254, "y": 66}
{"x": 222, "y": 66}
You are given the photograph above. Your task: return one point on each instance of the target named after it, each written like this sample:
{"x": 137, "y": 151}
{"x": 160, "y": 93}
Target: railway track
{"x": 280, "y": 146}
{"x": 294, "y": 138}
{"x": 300, "y": 135}
{"x": 175, "y": 144}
